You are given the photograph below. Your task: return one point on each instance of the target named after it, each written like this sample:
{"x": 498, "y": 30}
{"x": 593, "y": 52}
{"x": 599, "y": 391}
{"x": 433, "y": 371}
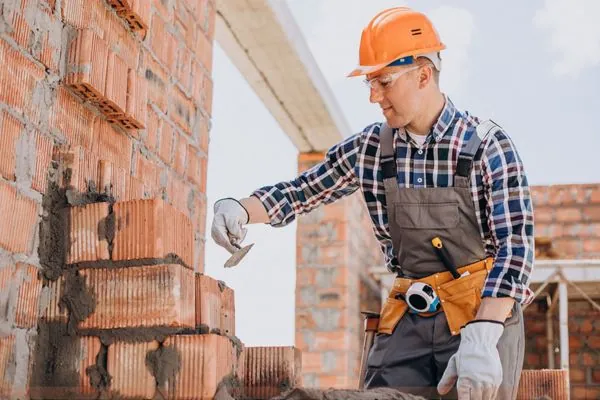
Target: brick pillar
{"x": 335, "y": 246}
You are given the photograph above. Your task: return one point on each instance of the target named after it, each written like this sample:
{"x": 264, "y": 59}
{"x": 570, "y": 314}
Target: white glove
{"x": 227, "y": 226}
{"x": 476, "y": 365}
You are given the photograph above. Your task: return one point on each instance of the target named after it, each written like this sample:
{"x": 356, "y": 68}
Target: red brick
{"x": 116, "y": 84}
{"x": 122, "y": 42}
{"x": 270, "y": 369}
{"x": 569, "y": 248}
{"x": 127, "y": 366}
{"x": 88, "y": 237}
{"x": 591, "y": 214}
{"x": 87, "y": 14}
{"x": 212, "y": 12}
{"x": 535, "y": 384}
{"x": 208, "y": 303}
{"x": 596, "y": 375}
{"x": 204, "y": 136}
{"x": 197, "y": 81}
{"x": 72, "y": 119}
{"x": 227, "y": 311}
{"x": 162, "y": 42}
{"x": 112, "y": 179}
{"x": 205, "y": 361}
{"x": 51, "y": 311}
{"x": 83, "y": 166}
{"x": 21, "y": 31}
{"x": 43, "y": 157}
{"x": 19, "y": 78}
{"x": 28, "y": 295}
{"x": 178, "y": 193}
{"x": 11, "y": 129}
{"x": 199, "y": 216}
{"x": 204, "y": 51}
{"x": 51, "y": 46}
{"x": 207, "y": 95}
{"x": 166, "y": 142}
{"x": 196, "y": 168}
{"x": 7, "y": 350}
{"x": 71, "y": 358}
{"x": 591, "y": 247}
{"x": 18, "y": 218}
{"x": 182, "y": 111}
{"x": 590, "y": 359}
{"x": 111, "y": 145}
{"x": 151, "y": 139}
{"x": 87, "y": 65}
{"x": 135, "y": 189}
{"x": 146, "y": 171}
{"x": 158, "y": 83}
{"x": 184, "y": 64}
{"x": 180, "y": 153}
{"x": 332, "y": 340}
{"x": 583, "y": 393}
{"x": 568, "y": 214}
{"x": 151, "y": 229}
{"x": 137, "y": 100}
{"x": 595, "y": 195}
{"x": 147, "y": 296}
{"x": 577, "y": 375}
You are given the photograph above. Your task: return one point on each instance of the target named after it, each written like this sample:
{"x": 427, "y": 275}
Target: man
{"x": 429, "y": 171}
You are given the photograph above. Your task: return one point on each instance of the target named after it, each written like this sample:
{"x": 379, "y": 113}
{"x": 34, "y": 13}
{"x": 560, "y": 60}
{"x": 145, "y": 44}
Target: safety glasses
{"x": 386, "y": 81}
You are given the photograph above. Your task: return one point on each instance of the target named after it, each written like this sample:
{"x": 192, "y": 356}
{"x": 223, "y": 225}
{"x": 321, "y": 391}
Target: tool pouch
{"x": 393, "y": 310}
{"x": 460, "y": 299}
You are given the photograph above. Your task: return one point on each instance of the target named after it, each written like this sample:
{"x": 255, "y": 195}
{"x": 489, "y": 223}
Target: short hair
{"x": 435, "y": 72}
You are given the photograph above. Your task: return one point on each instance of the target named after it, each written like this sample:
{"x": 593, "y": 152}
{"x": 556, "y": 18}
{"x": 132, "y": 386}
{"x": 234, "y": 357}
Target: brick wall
{"x": 105, "y": 110}
{"x": 567, "y": 219}
{"x": 335, "y": 249}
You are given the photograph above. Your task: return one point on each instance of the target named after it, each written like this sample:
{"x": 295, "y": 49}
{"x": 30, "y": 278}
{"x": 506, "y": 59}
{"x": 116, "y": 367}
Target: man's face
{"x": 398, "y": 91}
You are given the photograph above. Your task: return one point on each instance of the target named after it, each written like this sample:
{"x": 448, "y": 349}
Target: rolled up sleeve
{"x": 510, "y": 220}
{"x": 330, "y": 180}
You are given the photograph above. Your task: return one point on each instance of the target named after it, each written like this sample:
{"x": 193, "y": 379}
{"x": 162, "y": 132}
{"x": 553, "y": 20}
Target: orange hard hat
{"x": 394, "y": 34}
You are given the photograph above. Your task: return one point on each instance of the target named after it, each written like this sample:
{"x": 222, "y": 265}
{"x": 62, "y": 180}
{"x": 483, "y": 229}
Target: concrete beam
{"x": 264, "y": 42}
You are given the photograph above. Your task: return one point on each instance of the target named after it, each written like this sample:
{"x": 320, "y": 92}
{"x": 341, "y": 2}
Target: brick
{"x": 205, "y": 361}
{"x": 183, "y": 71}
{"x": 70, "y": 357}
{"x": 166, "y": 142}
{"x": 147, "y": 171}
{"x": 122, "y": 42}
{"x": 88, "y": 233}
{"x": 271, "y": 370}
{"x": 333, "y": 340}
{"x": 111, "y": 145}
{"x": 112, "y": 179}
{"x": 115, "y": 90}
{"x": 208, "y": 303}
{"x": 178, "y": 192}
{"x": 7, "y": 350}
{"x": 182, "y": 111}
{"x": 50, "y": 51}
{"x": 11, "y": 129}
{"x": 127, "y": 366}
{"x": 87, "y": 14}
{"x": 162, "y": 42}
{"x": 135, "y": 189}
{"x": 568, "y": 248}
{"x": 137, "y": 16}
{"x": 18, "y": 219}
{"x": 21, "y": 31}
{"x": 137, "y": 101}
{"x": 199, "y": 216}
{"x": 151, "y": 229}
{"x": 211, "y": 16}
{"x": 227, "y": 311}
{"x": 43, "y": 157}
{"x": 591, "y": 247}
{"x": 87, "y": 65}
{"x": 591, "y": 214}
{"x": 204, "y": 51}
{"x": 151, "y": 138}
{"x": 576, "y": 375}
{"x": 207, "y": 95}
{"x": 196, "y": 168}
{"x": 147, "y": 296}
{"x": 568, "y": 214}
{"x": 28, "y": 295}
{"x": 50, "y": 309}
{"x": 583, "y": 392}
{"x": 204, "y": 135}
{"x": 83, "y": 168}
{"x": 72, "y": 119}
{"x": 197, "y": 81}
{"x": 19, "y": 78}
{"x": 180, "y": 153}
{"x": 158, "y": 83}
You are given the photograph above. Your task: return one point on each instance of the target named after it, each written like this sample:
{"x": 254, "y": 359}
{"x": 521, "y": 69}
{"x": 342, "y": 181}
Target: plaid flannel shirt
{"x": 498, "y": 184}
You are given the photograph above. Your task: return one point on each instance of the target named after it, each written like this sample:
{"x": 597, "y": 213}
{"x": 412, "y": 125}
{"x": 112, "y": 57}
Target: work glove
{"x": 475, "y": 367}
{"x": 227, "y": 226}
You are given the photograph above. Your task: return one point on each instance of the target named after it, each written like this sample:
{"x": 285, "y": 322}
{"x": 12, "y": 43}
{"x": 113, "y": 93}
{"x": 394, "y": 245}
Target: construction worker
{"x": 431, "y": 171}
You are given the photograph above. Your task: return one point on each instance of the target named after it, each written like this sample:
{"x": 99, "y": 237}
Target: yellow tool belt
{"x": 459, "y": 298}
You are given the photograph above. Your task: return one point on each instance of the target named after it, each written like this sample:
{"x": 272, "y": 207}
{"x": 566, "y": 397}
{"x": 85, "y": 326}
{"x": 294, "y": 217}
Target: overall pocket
{"x": 392, "y": 312}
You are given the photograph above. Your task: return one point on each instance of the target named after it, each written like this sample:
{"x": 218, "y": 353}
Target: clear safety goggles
{"x": 385, "y": 81}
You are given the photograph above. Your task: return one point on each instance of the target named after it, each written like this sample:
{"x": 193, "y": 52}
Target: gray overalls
{"x": 415, "y": 355}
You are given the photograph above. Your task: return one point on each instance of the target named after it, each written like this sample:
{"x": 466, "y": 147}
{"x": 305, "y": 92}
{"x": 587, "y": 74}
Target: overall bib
{"x": 412, "y": 352}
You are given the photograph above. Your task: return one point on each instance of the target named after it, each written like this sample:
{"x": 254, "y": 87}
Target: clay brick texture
{"x": 271, "y": 370}
{"x": 148, "y": 296}
{"x": 127, "y": 365}
{"x": 205, "y": 361}
{"x": 552, "y": 384}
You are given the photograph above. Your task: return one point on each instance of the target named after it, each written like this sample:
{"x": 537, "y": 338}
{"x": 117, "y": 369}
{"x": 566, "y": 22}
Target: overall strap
{"x": 388, "y": 164}
{"x": 466, "y": 156}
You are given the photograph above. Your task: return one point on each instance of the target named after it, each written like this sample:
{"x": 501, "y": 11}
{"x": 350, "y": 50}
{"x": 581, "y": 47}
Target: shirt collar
{"x": 441, "y": 125}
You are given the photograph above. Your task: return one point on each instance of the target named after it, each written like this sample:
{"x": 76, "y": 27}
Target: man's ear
{"x": 425, "y": 75}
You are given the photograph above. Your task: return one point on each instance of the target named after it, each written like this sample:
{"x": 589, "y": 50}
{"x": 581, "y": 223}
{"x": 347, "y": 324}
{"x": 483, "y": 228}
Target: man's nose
{"x": 376, "y": 95}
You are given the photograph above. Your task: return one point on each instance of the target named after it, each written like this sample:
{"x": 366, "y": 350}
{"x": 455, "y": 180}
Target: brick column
{"x": 335, "y": 246}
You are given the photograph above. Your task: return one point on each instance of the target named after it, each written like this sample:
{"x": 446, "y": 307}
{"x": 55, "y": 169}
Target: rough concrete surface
{"x": 164, "y": 363}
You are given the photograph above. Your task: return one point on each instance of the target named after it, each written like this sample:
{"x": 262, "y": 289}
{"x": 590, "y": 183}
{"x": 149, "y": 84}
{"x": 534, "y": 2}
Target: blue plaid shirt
{"x": 499, "y": 187}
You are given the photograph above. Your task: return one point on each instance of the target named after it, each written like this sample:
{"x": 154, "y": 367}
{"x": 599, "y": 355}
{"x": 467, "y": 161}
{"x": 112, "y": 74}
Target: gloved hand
{"x": 227, "y": 226}
{"x": 476, "y": 365}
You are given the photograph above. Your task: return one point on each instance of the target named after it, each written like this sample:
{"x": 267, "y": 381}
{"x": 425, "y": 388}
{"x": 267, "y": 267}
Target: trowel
{"x": 238, "y": 255}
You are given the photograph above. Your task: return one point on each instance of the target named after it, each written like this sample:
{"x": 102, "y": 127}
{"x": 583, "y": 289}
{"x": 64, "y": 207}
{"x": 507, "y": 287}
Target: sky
{"x": 532, "y": 66}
